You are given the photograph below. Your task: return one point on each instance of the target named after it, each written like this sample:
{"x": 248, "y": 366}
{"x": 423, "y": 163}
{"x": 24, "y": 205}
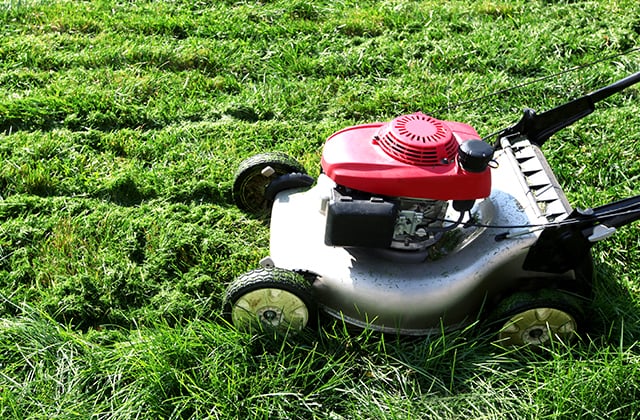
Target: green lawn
{"x": 122, "y": 123}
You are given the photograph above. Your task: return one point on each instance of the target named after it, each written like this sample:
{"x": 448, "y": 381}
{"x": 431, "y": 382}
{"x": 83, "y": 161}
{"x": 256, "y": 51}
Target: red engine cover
{"x": 412, "y": 156}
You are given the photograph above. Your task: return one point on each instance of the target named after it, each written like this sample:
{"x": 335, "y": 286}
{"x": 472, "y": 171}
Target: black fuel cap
{"x": 474, "y": 155}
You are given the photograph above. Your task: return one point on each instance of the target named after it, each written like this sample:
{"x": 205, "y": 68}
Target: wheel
{"x": 254, "y": 175}
{"x": 532, "y": 318}
{"x": 269, "y": 297}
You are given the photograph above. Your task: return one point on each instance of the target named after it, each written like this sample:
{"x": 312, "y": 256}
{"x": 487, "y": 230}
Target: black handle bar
{"x": 539, "y": 127}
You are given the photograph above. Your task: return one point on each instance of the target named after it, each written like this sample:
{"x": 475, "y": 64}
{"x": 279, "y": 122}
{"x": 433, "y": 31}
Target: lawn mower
{"x": 418, "y": 225}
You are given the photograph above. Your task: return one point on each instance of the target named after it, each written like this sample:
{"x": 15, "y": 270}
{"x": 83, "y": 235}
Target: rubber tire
{"x": 269, "y": 278}
{"x": 249, "y": 185}
{"x": 520, "y": 302}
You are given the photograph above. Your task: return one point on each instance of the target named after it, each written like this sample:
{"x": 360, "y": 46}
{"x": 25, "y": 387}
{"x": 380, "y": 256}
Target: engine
{"x": 419, "y": 223}
{"x": 395, "y": 181}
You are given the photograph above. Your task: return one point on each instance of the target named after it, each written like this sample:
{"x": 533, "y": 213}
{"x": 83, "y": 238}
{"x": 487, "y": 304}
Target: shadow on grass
{"x": 615, "y": 312}
{"x": 202, "y": 192}
{"x": 126, "y": 192}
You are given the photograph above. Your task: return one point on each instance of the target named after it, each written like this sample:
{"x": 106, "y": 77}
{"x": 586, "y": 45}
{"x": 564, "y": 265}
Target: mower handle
{"x": 539, "y": 127}
{"x": 612, "y": 215}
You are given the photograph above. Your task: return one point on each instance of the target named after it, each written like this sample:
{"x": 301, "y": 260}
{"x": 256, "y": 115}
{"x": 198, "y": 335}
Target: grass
{"x": 122, "y": 123}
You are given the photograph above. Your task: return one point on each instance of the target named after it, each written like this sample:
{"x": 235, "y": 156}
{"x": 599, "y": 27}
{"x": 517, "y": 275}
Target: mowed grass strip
{"x": 123, "y": 122}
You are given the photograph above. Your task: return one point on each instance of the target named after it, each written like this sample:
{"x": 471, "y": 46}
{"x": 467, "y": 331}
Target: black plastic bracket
{"x": 565, "y": 246}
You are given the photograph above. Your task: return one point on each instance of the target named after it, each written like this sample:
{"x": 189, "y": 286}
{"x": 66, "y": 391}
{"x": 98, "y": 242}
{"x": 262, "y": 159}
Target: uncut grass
{"x": 202, "y": 369}
{"x": 123, "y": 123}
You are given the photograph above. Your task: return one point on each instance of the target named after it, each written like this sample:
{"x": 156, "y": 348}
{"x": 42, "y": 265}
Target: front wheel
{"x": 254, "y": 176}
{"x": 534, "y": 318}
{"x": 271, "y": 298}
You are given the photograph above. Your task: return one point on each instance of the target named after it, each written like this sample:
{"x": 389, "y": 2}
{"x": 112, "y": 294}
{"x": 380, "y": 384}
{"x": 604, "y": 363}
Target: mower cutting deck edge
{"x": 419, "y": 223}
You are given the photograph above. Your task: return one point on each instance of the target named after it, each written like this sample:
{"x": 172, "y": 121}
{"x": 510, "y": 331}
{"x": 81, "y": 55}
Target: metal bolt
{"x": 267, "y": 171}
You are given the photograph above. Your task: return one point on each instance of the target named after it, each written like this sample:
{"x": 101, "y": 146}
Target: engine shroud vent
{"x": 418, "y": 139}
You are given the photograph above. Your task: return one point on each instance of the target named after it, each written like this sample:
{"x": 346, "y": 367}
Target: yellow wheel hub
{"x": 537, "y": 326}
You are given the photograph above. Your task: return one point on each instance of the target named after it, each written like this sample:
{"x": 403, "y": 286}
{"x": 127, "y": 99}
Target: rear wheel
{"x": 254, "y": 175}
{"x": 271, "y": 298}
{"x": 535, "y": 318}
